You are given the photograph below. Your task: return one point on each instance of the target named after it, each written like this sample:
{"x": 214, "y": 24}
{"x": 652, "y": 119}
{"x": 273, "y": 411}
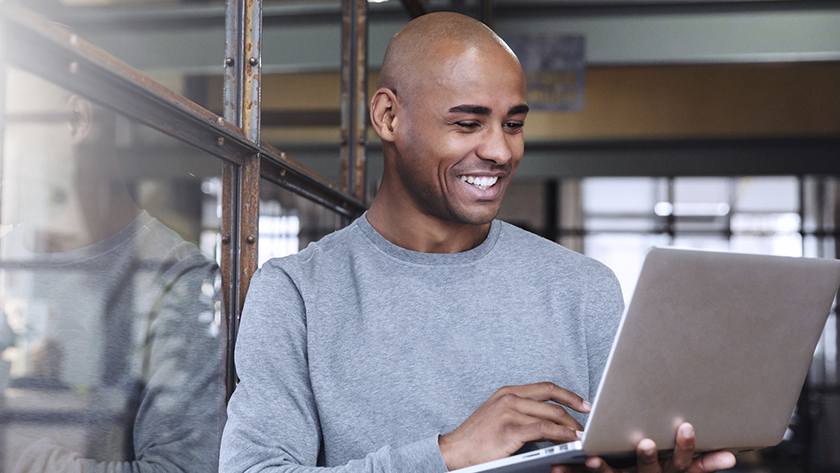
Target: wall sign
{"x": 554, "y": 69}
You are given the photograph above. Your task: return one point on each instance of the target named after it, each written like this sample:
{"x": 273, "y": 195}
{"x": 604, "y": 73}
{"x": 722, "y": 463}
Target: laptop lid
{"x": 720, "y": 340}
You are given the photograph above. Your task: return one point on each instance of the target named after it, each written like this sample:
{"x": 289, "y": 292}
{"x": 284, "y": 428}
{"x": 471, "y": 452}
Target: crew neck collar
{"x": 416, "y": 257}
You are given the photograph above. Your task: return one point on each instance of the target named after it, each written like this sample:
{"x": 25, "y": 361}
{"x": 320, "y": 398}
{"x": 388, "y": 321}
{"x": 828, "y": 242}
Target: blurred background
{"x": 701, "y": 124}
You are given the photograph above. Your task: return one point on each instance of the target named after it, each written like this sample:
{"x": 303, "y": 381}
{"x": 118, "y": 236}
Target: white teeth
{"x": 480, "y": 182}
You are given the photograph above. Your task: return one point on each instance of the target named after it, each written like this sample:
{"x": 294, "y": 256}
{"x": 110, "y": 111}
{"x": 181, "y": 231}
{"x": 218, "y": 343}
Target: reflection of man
{"x": 111, "y": 322}
{"x": 380, "y": 347}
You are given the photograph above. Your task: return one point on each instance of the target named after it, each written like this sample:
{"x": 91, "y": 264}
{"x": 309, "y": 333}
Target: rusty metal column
{"x": 354, "y": 35}
{"x": 250, "y": 179}
{"x": 240, "y": 195}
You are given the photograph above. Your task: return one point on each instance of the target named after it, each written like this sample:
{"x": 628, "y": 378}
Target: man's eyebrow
{"x": 471, "y": 109}
{"x": 481, "y": 110}
{"x": 518, "y": 109}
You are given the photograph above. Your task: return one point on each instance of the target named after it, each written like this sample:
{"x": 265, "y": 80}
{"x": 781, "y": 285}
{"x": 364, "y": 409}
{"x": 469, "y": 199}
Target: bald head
{"x": 422, "y": 45}
{"x": 450, "y": 108}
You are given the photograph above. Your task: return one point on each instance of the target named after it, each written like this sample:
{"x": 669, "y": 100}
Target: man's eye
{"x": 513, "y": 126}
{"x": 469, "y": 125}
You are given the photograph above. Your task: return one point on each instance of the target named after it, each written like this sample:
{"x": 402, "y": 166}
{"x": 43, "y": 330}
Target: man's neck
{"x": 413, "y": 230}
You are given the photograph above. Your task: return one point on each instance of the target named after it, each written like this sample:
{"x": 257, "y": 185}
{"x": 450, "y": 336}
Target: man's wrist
{"x": 446, "y": 452}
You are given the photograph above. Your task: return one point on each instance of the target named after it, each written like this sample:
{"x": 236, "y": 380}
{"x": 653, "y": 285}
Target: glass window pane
{"x": 820, "y": 205}
{"x": 701, "y": 190}
{"x": 626, "y": 224}
{"x": 111, "y": 328}
{"x": 700, "y": 205}
{"x": 702, "y": 242}
{"x": 619, "y": 195}
{"x": 180, "y": 46}
{"x": 289, "y": 222}
{"x": 767, "y": 194}
{"x": 783, "y": 244}
{"x": 301, "y": 92}
{"x": 708, "y": 224}
{"x": 624, "y": 253}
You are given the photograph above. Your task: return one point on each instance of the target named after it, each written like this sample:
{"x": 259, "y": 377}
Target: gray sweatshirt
{"x": 356, "y": 354}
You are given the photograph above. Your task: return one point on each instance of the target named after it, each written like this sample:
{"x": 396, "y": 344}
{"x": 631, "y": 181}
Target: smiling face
{"x": 459, "y": 138}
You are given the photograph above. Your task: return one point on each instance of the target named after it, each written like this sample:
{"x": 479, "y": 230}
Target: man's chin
{"x": 477, "y": 217}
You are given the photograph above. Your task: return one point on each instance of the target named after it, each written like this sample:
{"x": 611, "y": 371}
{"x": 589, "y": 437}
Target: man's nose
{"x": 495, "y": 146}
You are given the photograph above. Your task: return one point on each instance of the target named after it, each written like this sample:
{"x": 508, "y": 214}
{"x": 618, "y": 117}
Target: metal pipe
{"x": 252, "y": 63}
{"x": 249, "y": 184}
{"x": 354, "y": 34}
{"x": 279, "y": 169}
{"x": 233, "y": 63}
{"x": 234, "y": 72}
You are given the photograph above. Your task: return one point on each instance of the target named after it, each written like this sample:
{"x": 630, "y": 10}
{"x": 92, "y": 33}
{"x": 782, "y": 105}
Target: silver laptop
{"x": 720, "y": 340}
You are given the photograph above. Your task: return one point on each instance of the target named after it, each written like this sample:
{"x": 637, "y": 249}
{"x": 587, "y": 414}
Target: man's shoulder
{"x": 519, "y": 242}
{"x": 532, "y": 251}
{"x": 299, "y": 275}
{"x": 330, "y": 249}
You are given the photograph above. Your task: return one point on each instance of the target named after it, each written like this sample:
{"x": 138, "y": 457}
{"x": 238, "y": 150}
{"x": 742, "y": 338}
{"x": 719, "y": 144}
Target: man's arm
{"x": 602, "y": 314}
{"x": 518, "y": 414}
{"x": 273, "y": 423}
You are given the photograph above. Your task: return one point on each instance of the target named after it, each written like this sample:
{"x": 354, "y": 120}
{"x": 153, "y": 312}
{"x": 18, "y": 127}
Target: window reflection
{"x": 110, "y": 329}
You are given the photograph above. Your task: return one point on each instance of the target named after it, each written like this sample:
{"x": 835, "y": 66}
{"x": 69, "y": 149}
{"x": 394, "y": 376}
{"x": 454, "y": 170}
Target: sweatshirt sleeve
{"x": 273, "y": 423}
{"x": 605, "y": 307}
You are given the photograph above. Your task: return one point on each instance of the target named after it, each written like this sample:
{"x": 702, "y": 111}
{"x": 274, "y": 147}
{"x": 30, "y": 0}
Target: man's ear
{"x": 383, "y": 116}
{"x": 81, "y": 118}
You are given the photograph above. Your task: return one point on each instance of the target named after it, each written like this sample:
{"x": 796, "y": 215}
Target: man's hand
{"x": 681, "y": 461}
{"x": 511, "y": 417}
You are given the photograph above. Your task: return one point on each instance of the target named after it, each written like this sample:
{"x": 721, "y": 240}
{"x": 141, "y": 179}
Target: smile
{"x": 482, "y": 183}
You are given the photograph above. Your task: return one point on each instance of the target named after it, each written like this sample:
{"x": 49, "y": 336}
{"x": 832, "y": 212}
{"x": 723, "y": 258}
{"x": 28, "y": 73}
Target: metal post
{"x": 242, "y": 108}
{"x": 251, "y": 104}
{"x": 354, "y": 35}
{"x": 234, "y": 61}
{"x": 253, "y": 66}
{"x": 240, "y": 214}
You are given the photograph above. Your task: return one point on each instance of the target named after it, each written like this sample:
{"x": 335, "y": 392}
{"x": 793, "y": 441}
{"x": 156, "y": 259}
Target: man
{"x": 380, "y": 347}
